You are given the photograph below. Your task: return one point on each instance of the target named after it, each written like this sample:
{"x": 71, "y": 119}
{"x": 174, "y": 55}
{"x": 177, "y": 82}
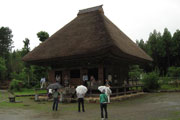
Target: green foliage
{"x": 42, "y": 35}
{"x": 135, "y": 72}
{"x": 15, "y": 85}
{"x": 26, "y": 47}
{"x": 150, "y": 81}
{"x": 5, "y": 41}
{"x": 163, "y": 48}
{"x": 2, "y": 68}
{"x": 174, "y": 72}
{"x": 2, "y": 65}
{"x": 164, "y": 80}
{"x": 22, "y": 76}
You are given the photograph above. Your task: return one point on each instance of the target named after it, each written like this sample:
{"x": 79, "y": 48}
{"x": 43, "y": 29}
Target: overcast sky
{"x": 136, "y": 18}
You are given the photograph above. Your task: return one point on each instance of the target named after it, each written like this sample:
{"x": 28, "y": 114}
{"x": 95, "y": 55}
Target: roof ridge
{"x": 91, "y": 9}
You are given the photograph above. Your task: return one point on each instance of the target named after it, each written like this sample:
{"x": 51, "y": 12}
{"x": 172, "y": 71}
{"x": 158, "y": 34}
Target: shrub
{"x": 150, "y": 81}
{"x": 15, "y": 85}
{"x": 135, "y": 72}
{"x": 174, "y": 72}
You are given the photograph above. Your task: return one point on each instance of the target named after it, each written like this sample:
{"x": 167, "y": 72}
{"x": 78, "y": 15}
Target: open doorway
{"x": 58, "y": 77}
{"x": 93, "y": 72}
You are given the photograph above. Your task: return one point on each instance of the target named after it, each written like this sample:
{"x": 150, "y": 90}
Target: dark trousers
{"x": 103, "y": 106}
{"x": 55, "y": 104}
{"x": 80, "y": 101}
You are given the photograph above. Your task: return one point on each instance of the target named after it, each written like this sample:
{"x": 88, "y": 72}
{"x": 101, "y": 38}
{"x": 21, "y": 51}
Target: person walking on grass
{"x": 56, "y": 100}
{"x": 80, "y": 101}
{"x": 103, "y": 105}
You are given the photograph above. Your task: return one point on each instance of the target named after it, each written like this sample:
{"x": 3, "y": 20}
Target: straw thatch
{"x": 89, "y": 33}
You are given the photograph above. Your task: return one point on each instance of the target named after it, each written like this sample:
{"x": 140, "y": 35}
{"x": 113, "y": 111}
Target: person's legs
{"x": 108, "y": 98}
{"x": 57, "y": 101}
{"x": 83, "y": 105}
{"x": 54, "y": 102}
{"x": 105, "y": 109}
{"x": 79, "y": 109}
{"x": 101, "y": 106}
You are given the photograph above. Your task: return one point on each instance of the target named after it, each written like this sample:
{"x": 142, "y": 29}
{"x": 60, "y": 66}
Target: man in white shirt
{"x": 42, "y": 82}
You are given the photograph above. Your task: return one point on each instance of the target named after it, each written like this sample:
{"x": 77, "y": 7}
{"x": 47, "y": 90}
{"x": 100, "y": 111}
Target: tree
{"x": 168, "y": 47}
{"x": 5, "y": 41}
{"x": 42, "y": 35}
{"x": 141, "y": 44}
{"x": 26, "y": 47}
{"x": 176, "y": 46}
{"x": 2, "y": 68}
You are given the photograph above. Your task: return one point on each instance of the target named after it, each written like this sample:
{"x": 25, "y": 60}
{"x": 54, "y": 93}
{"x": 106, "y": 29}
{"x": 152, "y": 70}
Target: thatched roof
{"x": 91, "y": 31}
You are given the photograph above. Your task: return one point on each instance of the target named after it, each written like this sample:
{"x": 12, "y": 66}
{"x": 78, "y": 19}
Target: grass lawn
{"x": 29, "y": 92}
{"x": 169, "y": 87}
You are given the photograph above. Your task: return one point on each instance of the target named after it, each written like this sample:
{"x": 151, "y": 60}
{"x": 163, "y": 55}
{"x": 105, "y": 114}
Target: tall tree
{"x": 168, "y": 47}
{"x": 42, "y": 35}
{"x": 5, "y": 41}
{"x": 176, "y": 46}
{"x": 153, "y": 49}
{"x": 2, "y": 68}
{"x": 26, "y": 47}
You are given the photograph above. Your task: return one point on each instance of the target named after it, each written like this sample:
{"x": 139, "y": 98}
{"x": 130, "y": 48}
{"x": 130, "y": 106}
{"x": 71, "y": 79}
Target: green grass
{"x": 169, "y": 87}
{"x": 29, "y": 92}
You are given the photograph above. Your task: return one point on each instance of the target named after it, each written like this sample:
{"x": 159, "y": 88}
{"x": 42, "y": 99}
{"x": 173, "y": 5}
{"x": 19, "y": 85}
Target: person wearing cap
{"x": 103, "y": 105}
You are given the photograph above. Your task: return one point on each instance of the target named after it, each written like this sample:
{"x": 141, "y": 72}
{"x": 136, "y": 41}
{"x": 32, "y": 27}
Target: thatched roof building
{"x": 91, "y": 33}
{"x": 89, "y": 45}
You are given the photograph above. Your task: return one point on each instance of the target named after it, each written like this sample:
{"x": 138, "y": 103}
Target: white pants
{"x": 108, "y": 96}
{"x": 42, "y": 84}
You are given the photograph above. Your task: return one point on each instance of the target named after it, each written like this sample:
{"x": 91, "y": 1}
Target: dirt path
{"x": 157, "y": 106}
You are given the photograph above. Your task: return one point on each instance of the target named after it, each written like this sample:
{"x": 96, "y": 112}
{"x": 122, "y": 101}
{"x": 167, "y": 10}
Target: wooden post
{"x": 117, "y": 91}
{"x": 51, "y": 76}
{"x": 136, "y": 86}
{"x": 125, "y": 89}
{"x": 101, "y": 73}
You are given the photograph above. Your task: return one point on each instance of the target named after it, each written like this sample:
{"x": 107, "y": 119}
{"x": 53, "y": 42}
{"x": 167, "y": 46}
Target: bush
{"x": 165, "y": 80}
{"x": 174, "y": 72}
{"x": 15, "y": 85}
{"x": 135, "y": 72}
{"x": 150, "y": 81}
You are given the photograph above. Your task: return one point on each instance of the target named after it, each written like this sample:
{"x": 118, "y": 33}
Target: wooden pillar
{"x": 125, "y": 89}
{"x": 101, "y": 73}
{"x": 136, "y": 86}
{"x": 117, "y": 91}
{"x": 51, "y": 76}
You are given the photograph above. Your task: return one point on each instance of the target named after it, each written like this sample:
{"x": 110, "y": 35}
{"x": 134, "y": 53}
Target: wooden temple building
{"x": 89, "y": 45}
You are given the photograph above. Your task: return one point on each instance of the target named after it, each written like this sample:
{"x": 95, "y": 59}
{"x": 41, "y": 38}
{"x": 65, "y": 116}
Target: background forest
{"x": 164, "y": 48}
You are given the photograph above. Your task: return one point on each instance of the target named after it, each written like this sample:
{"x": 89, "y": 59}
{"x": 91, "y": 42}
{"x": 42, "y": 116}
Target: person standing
{"x": 108, "y": 92}
{"x": 103, "y": 105}
{"x": 66, "y": 81}
{"x": 80, "y": 101}
{"x": 58, "y": 78}
{"x": 56, "y": 100}
{"x": 85, "y": 79}
{"x": 42, "y": 82}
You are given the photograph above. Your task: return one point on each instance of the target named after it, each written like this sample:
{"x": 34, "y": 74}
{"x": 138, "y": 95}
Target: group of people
{"x": 104, "y": 100}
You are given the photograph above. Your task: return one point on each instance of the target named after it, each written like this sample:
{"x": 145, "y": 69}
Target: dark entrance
{"x": 58, "y": 76}
{"x": 93, "y": 72}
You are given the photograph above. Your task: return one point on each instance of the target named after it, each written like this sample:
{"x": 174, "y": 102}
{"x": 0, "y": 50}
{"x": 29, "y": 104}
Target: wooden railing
{"x": 118, "y": 90}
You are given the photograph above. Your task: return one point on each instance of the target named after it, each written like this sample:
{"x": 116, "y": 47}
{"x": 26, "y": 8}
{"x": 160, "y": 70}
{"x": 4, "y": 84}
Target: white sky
{"x": 136, "y": 18}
